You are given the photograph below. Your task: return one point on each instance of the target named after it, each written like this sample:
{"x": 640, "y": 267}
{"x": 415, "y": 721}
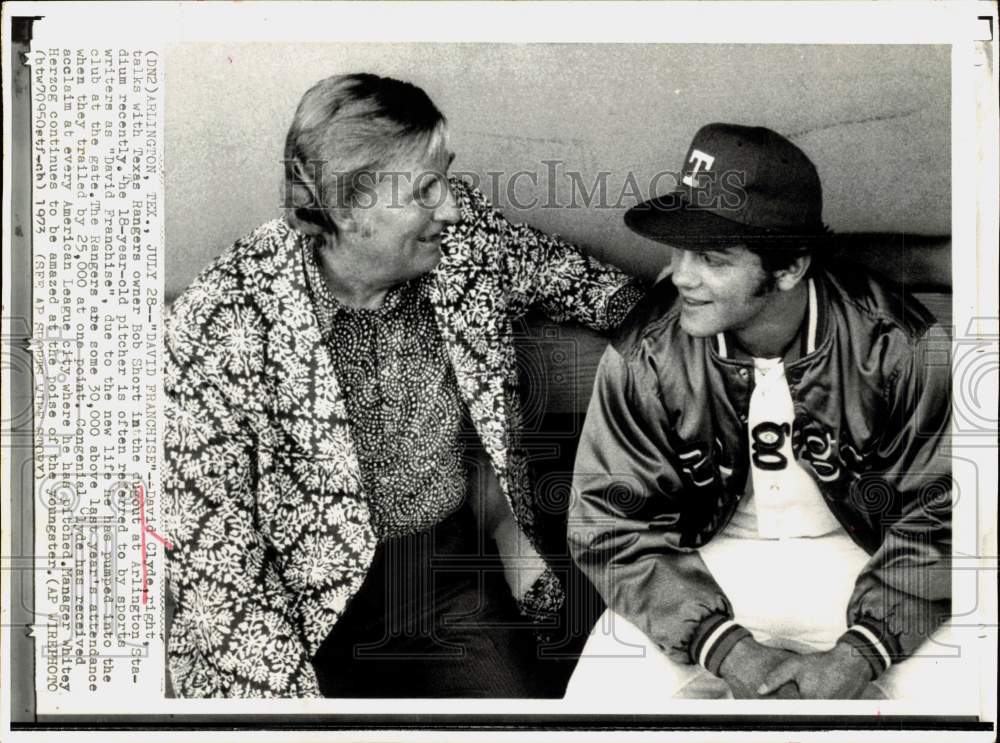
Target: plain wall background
{"x": 875, "y": 120}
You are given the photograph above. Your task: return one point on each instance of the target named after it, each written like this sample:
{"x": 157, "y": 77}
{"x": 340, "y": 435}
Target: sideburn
{"x": 767, "y": 284}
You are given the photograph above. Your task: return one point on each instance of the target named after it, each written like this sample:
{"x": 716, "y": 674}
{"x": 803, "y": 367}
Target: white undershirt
{"x": 784, "y": 496}
{"x": 782, "y": 499}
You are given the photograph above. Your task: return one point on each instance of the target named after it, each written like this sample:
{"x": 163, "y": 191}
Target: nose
{"x": 447, "y": 211}
{"x": 683, "y": 274}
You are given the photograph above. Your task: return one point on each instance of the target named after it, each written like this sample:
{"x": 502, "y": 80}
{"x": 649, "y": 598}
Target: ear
{"x": 344, "y": 220}
{"x": 788, "y": 278}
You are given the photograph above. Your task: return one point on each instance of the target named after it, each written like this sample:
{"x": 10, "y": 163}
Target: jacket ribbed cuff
{"x": 867, "y": 640}
{"x": 713, "y": 641}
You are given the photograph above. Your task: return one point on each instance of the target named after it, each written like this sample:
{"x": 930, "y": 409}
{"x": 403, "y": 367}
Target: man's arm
{"x": 904, "y": 592}
{"x": 546, "y": 272}
{"x": 625, "y": 532}
{"x": 535, "y": 270}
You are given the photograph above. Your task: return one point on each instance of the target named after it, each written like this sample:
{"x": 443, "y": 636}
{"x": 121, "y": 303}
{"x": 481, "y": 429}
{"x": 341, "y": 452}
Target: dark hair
{"x": 774, "y": 259}
{"x": 778, "y": 254}
{"x": 347, "y": 128}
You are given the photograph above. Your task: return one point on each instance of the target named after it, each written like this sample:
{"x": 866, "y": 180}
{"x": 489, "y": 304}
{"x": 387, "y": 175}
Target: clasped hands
{"x": 756, "y": 671}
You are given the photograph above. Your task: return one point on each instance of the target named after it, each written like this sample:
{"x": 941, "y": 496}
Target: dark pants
{"x": 434, "y": 618}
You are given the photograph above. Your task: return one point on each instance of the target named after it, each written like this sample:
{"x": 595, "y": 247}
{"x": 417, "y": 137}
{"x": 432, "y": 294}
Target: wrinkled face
{"x": 720, "y": 289}
{"x": 401, "y": 217}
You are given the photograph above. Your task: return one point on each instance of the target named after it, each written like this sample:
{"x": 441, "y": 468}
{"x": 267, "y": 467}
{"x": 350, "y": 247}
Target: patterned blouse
{"x": 402, "y": 400}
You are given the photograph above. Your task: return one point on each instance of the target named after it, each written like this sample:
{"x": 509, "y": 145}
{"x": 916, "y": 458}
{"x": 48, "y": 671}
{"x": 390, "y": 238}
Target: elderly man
{"x": 763, "y": 491}
{"x": 348, "y": 494}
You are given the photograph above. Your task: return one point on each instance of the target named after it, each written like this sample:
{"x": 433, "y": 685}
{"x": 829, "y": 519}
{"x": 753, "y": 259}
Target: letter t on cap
{"x": 699, "y": 158}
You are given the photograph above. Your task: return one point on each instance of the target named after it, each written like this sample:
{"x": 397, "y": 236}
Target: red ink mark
{"x": 144, "y": 529}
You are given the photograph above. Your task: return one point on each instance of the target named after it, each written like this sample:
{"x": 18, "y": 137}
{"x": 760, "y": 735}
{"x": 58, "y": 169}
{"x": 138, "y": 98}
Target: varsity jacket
{"x": 663, "y": 462}
{"x": 266, "y": 510}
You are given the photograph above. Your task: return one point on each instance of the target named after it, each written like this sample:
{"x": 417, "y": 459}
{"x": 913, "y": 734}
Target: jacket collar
{"x": 475, "y": 338}
{"x": 308, "y": 404}
{"x": 809, "y": 337}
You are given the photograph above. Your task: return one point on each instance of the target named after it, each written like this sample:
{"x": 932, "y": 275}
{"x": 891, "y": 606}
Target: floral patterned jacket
{"x": 262, "y": 486}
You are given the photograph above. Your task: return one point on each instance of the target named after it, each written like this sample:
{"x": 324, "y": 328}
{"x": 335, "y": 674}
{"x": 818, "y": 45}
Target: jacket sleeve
{"x": 232, "y": 634}
{"x": 542, "y": 271}
{"x": 625, "y": 523}
{"x": 553, "y": 275}
{"x": 904, "y": 592}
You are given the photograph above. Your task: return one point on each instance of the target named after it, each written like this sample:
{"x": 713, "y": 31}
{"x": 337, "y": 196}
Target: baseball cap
{"x": 738, "y": 183}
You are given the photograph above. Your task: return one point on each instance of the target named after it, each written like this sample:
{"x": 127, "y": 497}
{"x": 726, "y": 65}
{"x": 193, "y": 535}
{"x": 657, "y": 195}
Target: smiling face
{"x": 721, "y": 290}
{"x": 398, "y": 220}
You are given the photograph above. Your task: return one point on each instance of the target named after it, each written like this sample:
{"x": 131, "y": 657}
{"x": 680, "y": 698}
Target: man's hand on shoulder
{"x": 838, "y": 673}
{"x": 748, "y": 665}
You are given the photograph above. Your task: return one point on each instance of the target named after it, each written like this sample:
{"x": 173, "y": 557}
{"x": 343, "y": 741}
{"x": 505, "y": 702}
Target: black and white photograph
{"x": 465, "y": 376}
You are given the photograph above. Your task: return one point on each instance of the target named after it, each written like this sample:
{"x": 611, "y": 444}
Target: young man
{"x": 763, "y": 492}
